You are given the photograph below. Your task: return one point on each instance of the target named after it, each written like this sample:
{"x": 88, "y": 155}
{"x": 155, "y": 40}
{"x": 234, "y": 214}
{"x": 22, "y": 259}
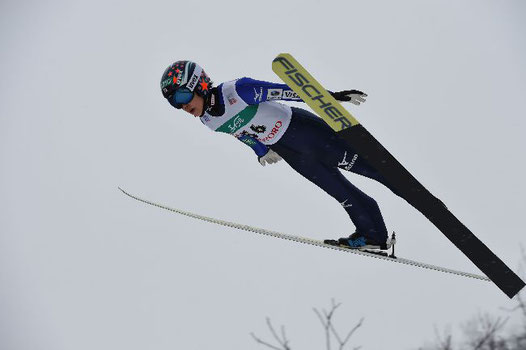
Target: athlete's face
{"x": 195, "y": 106}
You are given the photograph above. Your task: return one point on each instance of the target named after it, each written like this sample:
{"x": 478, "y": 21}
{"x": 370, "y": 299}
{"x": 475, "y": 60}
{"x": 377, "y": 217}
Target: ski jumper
{"x": 246, "y": 108}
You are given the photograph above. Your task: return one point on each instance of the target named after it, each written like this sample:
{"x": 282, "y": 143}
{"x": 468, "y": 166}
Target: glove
{"x": 270, "y": 158}
{"x": 354, "y": 96}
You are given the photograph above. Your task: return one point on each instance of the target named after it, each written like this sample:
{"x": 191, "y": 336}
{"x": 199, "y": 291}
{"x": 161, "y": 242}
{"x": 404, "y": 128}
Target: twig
{"x": 326, "y": 327}
{"x": 264, "y": 342}
{"x": 283, "y": 341}
{"x": 326, "y": 321}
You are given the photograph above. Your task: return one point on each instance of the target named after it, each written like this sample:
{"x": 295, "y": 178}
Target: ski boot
{"x": 358, "y": 241}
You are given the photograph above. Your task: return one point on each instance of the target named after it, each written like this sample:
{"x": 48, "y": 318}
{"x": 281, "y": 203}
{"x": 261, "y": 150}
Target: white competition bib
{"x": 266, "y": 121}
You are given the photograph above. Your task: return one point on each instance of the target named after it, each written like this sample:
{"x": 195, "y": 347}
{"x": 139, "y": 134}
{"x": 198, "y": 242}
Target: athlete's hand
{"x": 354, "y": 96}
{"x": 270, "y": 158}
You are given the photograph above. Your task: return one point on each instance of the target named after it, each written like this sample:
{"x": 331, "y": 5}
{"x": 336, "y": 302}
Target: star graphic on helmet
{"x": 204, "y": 85}
{"x": 170, "y": 74}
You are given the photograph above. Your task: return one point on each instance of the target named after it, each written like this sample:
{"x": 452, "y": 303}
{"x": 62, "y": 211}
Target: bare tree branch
{"x": 326, "y": 319}
{"x": 444, "y": 342}
{"x": 330, "y": 329}
{"x": 351, "y": 332}
{"x": 486, "y": 332}
{"x": 326, "y": 327}
{"x": 483, "y": 332}
{"x": 262, "y": 342}
{"x": 284, "y": 337}
{"x": 283, "y": 341}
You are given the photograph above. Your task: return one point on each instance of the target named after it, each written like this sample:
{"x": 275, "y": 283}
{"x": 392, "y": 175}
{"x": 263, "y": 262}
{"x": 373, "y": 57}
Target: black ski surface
{"x": 432, "y": 208}
{"x": 359, "y": 139}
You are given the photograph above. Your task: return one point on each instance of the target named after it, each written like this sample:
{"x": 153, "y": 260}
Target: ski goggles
{"x": 181, "y": 97}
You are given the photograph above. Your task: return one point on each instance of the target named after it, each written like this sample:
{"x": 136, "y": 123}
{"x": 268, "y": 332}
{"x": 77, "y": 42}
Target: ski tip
{"x": 282, "y": 55}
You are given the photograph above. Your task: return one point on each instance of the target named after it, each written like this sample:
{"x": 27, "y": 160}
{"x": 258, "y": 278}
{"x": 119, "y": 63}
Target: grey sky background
{"x": 83, "y": 267}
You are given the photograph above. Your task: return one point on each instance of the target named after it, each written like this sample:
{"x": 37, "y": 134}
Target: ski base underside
{"x": 372, "y": 254}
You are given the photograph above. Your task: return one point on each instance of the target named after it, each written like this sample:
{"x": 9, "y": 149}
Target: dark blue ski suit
{"x": 315, "y": 151}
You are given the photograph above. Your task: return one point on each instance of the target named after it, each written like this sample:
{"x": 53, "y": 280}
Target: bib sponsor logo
{"x": 273, "y": 132}
{"x": 239, "y": 120}
{"x": 246, "y": 133}
{"x": 235, "y": 124}
{"x": 290, "y": 94}
{"x": 258, "y": 128}
{"x": 274, "y": 94}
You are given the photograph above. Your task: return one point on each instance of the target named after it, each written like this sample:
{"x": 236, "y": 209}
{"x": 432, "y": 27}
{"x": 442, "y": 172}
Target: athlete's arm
{"x": 256, "y": 91}
{"x": 259, "y": 148}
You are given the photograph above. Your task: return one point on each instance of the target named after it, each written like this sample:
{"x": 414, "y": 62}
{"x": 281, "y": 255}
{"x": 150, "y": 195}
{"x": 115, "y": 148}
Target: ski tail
{"x": 434, "y": 210}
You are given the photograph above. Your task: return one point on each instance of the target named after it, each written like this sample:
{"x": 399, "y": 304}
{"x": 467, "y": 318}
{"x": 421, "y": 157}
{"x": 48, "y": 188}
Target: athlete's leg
{"x": 316, "y": 138}
{"x": 312, "y": 149}
{"x": 362, "y": 209}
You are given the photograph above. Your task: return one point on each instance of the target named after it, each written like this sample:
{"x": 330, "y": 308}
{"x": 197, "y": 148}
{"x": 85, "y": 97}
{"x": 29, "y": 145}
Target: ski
{"x": 309, "y": 241}
{"x": 358, "y": 138}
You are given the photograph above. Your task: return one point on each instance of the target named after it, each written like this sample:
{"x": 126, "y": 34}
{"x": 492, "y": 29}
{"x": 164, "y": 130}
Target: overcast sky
{"x": 84, "y": 267}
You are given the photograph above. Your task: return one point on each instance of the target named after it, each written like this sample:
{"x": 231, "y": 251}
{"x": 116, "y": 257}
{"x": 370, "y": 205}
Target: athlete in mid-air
{"x": 247, "y": 109}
